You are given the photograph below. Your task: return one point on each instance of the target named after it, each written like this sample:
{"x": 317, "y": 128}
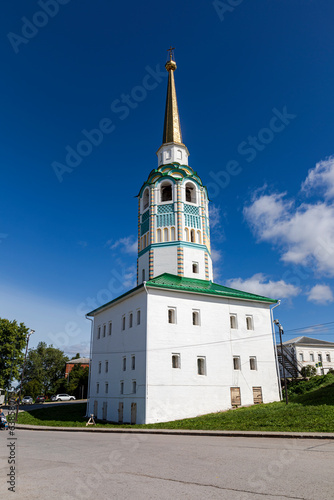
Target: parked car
{"x": 27, "y": 400}
{"x": 40, "y": 399}
{"x": 62, "y": 397}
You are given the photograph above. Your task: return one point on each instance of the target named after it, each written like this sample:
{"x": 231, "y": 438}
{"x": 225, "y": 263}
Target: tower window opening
{"x": 192, "y": 236}
{"x": 172, "y": 233}
{"x": 166, "y": 193}
{"x": 146, "y": 199}
{"x": 196, "y": 318}
{"x": 159, "y": 235}
{"x": 166, "y": 234}
{"x": 195, "y": 267}
{"x": 199, "y": 237}
{"x": 143, "y": 275}
{"x": 190, "y": 193}
{"x": 186, "y": 231}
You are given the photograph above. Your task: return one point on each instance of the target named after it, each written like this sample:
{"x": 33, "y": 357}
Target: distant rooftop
{"x": 308, "y": 341}
{"x": 77, "y": 361}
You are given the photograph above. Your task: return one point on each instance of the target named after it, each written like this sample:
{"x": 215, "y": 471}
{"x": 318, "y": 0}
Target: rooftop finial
{"x": 171, "y": 64}
{"x": 172, "y": 129}
{"x": 170, "y": 50}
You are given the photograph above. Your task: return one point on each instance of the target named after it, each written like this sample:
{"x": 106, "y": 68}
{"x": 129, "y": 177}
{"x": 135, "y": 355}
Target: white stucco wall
{"x": 316, "y": 349}
{"x": 165, "y": 260}
{"x": 180, "y": 393}
{"x": 131, "y": 341}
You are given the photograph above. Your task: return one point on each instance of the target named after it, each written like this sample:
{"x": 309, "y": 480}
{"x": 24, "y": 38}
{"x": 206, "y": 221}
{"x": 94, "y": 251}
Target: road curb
{"x": 122, "y": 430}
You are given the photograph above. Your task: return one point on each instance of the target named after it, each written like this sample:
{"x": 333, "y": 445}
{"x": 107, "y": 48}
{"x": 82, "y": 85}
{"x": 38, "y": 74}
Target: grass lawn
{"x": 310, "y": 412}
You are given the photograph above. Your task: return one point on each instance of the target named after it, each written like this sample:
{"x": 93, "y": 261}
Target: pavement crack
{"x": 214, "y": 486}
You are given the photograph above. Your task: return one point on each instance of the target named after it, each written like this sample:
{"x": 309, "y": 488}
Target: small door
{"x": 95, "y": 409}
{"x": 235, "y": 396}
{"x": 133, "y": 413}
{"x": 104, "y": 410}
{"x": 257, "y": 395}
{"x": 120, "y": 413}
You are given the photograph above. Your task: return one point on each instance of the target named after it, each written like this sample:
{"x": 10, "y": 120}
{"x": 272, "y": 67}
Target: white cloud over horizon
{"x": 260, "y": 284}
{"x": 304, "y": 233}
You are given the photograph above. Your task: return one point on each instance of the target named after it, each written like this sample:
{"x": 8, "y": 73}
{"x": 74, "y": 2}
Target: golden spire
{"x": 172, "y": 128}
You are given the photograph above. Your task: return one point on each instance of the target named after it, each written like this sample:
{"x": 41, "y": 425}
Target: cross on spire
{"x": 170, "y": 50}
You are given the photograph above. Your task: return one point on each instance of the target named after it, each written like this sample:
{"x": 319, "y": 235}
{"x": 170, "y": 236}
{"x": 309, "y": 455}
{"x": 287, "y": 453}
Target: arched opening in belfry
{"x": 166, "y": 192}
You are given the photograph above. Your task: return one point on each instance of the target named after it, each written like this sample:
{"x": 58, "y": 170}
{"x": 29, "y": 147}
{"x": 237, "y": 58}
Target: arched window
{"x": 199, "y": 237}
{"x": 146, "y": 199}
{"x": 186, "y": 231}
{"x": 166, "y": 192}
{"x": 159, "y": 235}
{"x": 192, "y": 236}
{"x": 172, "y": 233}
{"x": 190, "y": 193}
{"x": 166, "y": 234}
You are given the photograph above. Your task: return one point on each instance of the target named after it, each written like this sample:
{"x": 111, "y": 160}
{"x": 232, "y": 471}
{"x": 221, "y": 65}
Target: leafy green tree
{"x": 45, "y": 364}
{"x": 308, "y": 371}
{"x": 12, "y": 342}
{"x": 77, "y": 381}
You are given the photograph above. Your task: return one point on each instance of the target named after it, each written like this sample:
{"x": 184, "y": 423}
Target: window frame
{"x": 249, "y": 322}
{"x": 133, "y": 362}
{"x": 138, "y": 316}
{"x": 99, "y": 332}
{"x": 123, "y": 323}
{"x": 201, "y": 365}
{"x": 254, "y": 360}
{"x": 124, "y": 364}
{"x": 196, "y": 317}
{"x": 130, "y": 320}
{"x": 195, "y": 267}
{"x": 176, "y": 356}
{"x": 233, "y": 319}
{"x": 237, "y": 363}
{"x": 106, "y": 366}
{"x": 110, "y": 328}
{"x": 134, "y": 387}
{"x": 171, "y": 315}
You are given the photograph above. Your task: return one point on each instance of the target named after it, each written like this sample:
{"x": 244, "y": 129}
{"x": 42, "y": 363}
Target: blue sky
{"x": 255, "y": 93}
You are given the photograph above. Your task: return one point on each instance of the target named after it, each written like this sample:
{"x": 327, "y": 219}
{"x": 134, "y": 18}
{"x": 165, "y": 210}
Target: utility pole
{"x": 281, "y": 332}
{"x": 25, "y": 359}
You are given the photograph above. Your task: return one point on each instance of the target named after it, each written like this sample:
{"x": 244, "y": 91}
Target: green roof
{"x": 173, "y": 282}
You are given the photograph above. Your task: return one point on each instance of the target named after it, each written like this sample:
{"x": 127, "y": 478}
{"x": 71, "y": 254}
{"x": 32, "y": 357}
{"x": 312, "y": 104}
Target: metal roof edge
{"x": 129, "y": 292}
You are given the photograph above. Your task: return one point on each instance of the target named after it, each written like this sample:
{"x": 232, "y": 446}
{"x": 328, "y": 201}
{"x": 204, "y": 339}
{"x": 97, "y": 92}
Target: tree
{"x": 77, "y": 382}
{"x": 45, "y": 365}
{"x": 308, "y": 371}
{"x": 13, "y": 339}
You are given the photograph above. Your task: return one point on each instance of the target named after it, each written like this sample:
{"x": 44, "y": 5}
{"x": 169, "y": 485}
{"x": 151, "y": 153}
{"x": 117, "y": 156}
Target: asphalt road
{"x": 67, "y": 466}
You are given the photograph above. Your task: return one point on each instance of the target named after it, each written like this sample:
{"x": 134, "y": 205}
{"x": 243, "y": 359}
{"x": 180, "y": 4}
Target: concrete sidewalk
{"x": 184, "y": 432}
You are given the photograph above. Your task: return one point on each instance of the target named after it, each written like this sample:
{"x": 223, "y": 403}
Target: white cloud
{"x": 304, "y": 234}
{"x": 320, "y": 294}
{"x": 261, "y": 285}
{"x": 128, "y": 244}
{"x": 215, "y": 216}
{"x": 216, "y": 255}
{"x": 322, "y": 176}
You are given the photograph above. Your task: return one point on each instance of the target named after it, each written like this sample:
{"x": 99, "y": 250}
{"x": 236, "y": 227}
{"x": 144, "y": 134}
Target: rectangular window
{"x": 252, "y": 363}
{"x": 195, "y": 268}
{"x": 201, "y": 365}
{"x": 123, "y": 323}
{"x": 236, "y": 363}
{"x": 328, "y": 358}
{"x": 195, "y": 318}
{"x": 134, "y": 387}
{"x": 124, "y": 364}
{"x": 311, "y": 356}
{"x": 104, "y": 330}
{"x": 320, "y": 358}
{"x": 235, "y": 396}
{"x": 97, "y": 388}
{"x": 99, "y": 367}
{"x": 110, "y": 328}
{"x": 301, "y": 356}
{"x": 138, "y": 317}
{"x": 130, "y": 320}
{"x": 133, "y": 362}
{"x": 249, "y": 323}
{"x": 233, "y": 321}
{"x": 107, "y": 367}
{"x": 106, "y": 388}
{"x": 176, "y": 361}
{"x": 99, "y": 332}
{"x": 121, "y": 388}
{"x": 171, "y": 315}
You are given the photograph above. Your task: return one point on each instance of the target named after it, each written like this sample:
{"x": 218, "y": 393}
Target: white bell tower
{"x": 173, "y": 218}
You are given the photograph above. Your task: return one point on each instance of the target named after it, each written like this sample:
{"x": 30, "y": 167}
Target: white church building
{"x": 178, "y": 345}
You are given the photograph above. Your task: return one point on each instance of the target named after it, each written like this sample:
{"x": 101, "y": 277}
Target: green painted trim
{"x": 173, "y": 244}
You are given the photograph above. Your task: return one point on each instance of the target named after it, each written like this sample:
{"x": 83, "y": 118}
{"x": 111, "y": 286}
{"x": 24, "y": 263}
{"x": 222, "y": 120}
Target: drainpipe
{"x": 275, "y": 348}
{"x": 90, "y": 363}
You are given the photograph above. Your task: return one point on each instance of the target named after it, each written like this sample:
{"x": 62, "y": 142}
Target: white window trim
{"x": 203, "y": 358}
{"x": 178, "y": 357}
{"x": 171, "y": 308}
{"x": 239, "y": 363}
{"x": 232, "y": 315}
